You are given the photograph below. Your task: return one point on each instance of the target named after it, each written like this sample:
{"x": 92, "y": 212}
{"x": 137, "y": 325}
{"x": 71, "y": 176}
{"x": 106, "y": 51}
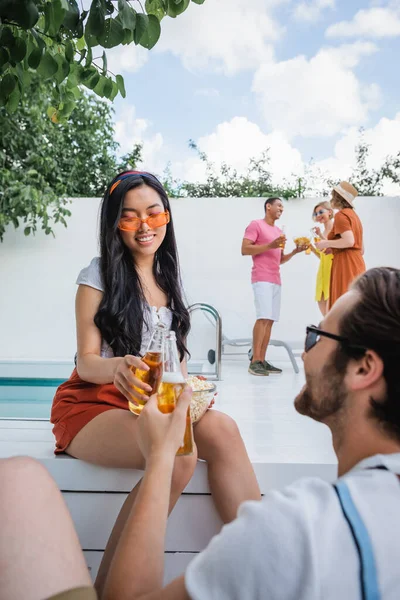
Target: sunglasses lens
{"x": 311, "y": 340}
{"x": 129, "y": 224}
{"x": 158, "y": 220}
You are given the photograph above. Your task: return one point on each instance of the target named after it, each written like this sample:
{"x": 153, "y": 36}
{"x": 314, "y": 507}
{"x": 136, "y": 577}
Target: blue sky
{"x": 299, "y": 78}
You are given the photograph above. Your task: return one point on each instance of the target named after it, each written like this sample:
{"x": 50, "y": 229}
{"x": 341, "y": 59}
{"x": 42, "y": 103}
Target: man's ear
{"x": 365, "y": 372}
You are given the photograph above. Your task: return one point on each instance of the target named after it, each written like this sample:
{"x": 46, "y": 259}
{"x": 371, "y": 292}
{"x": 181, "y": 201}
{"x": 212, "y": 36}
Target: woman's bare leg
{"x": 323, "y": 305}
{"x": 40, "y": 554}
{"x": 230, "y": 473}
{"x": 110, "y": 440}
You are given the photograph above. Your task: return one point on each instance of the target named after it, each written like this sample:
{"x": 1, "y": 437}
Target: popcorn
{"x": 203, "y": 393}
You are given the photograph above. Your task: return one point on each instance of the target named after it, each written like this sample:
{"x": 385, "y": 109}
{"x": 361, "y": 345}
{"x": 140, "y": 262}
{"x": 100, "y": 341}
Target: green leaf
{"x": 92, "y": 81}
{"x": 48, "y": 66}
{"x": 152, "y": 33}
{"x": 7, "y": 85}
{"x": 91, "y": 40}
{"x": 142, "y": 22}
{"x": 89, "y": 57}
{"x": 27, "y": 230}
{"x": 98, "y": 90}
{"x": 4, "y": 56}
{"x": 198, "y": 1}
{"x": 69, "y": 51}
{"x": 71, "y": 18}
{"x": 13, "y": 100}
{"x": 114, "y": 91}
{"x": 108, "y": 88}
{"x": 63, "y": 69}
{"x": 7, "y": 37}
{"x": 66, "y": 108}
{"x": 112, "y": 35}
{"x": 56, "y": 17}
{"x": 80, "y": 44}
{"x": 109, "y": 7}
{"x": 156, "y": 8}
{"x": 51, "y": 111}
{"x": 24, "y": 76}
{"x": 127, "y": 16}
{"x": 104, "y": 57}
{"x": 121, "y": 85}
{"x": 75, "y": 74}
{"x": 22, "y": 12}
{"x": 175, "y": 9}
{"x": 34, "y": 58}
{"x": 96, "y": 21}
{"x": 18, "y": 51}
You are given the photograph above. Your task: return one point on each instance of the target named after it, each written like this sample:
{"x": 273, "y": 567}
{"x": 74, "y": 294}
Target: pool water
{"x": 26, "y": 397}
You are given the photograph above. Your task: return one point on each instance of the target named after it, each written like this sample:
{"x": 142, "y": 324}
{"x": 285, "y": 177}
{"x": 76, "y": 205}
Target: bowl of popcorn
{"x": 203, "y": 393}
{"x": 303, "y": 241}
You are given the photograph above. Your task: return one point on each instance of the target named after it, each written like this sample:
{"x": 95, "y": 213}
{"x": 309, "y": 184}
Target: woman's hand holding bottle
{"x": 126, "y": 382}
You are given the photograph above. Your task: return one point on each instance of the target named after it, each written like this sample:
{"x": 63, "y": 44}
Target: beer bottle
{"x": 171, "y": 386}
{"x": 154, "y": 359}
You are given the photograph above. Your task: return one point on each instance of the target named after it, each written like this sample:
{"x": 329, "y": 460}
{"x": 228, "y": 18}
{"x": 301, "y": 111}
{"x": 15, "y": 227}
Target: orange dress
{"x": 348, "y": 263}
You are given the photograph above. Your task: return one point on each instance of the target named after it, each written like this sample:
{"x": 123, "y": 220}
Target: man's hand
{"x": 300, "y": 248}
{"x": 162, "y": 434}
{"x": 279, "y": 242}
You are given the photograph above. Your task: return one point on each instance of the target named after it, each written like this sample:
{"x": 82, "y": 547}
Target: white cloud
{"x": 374, "y": 23}
{"x": 235, "y": 142}
{"x": 318, "y": 96}
{"x": 383, "y": 140}
{"x": 313, "y": 9}
{"x": 223, "y": 35}
{"x": 130, "y": 130}
{"x": 126, "y": 59}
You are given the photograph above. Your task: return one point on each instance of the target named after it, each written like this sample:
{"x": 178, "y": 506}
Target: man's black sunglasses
{"x": 313, "y": 335}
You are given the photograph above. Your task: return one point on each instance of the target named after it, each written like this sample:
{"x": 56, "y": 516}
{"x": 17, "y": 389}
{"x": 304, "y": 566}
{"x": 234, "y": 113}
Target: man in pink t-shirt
{"x": 265, "y": 242}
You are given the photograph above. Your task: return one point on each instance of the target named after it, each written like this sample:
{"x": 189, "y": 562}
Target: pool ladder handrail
{"x": 208, "y": 308}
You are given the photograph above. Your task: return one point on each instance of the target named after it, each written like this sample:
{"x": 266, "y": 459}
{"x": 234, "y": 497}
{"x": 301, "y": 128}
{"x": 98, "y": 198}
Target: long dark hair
{"x": 121, "y": 312}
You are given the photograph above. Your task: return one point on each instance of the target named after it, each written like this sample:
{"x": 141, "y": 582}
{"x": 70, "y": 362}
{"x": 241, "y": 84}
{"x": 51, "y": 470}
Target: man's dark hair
{"x": 270, "y": 201}
{"x": 374, "y": 323}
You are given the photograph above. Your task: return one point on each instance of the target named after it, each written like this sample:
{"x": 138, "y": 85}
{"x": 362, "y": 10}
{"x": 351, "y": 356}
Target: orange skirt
{"x": 76, "y": 403}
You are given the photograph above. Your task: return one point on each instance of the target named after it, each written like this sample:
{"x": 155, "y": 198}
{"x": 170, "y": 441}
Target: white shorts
{"x": 267, "y": 300}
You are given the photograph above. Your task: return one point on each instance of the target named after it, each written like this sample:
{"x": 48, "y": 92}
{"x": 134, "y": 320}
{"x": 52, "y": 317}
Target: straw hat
{"x": 347, "y": 191}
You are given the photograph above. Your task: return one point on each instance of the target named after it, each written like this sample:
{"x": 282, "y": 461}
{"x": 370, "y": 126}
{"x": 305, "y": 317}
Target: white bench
{"x": 94, "y": 494}
{"x": 282, "y": 445}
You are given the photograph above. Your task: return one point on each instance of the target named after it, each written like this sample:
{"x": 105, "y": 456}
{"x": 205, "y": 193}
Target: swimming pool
{"x": 27, "y": 397}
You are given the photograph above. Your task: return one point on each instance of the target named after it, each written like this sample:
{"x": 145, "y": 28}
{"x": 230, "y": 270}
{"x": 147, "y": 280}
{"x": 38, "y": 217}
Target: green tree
{"x": 226, "y": 182}
{"x": 55, "y": 40}
{"x": 43, "y": 163}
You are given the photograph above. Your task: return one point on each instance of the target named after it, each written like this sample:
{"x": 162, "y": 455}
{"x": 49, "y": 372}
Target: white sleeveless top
{"x": 92, "y": 277}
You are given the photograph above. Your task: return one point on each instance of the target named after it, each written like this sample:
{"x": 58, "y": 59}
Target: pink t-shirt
{"x": 266, "y": 266}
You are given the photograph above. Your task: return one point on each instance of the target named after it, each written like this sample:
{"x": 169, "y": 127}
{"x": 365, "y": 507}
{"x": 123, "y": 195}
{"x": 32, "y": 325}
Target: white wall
{"x": 37, "y": 274}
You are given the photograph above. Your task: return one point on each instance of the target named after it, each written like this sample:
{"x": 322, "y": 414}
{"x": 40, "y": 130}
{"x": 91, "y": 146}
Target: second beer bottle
{"x": 171, "y": 386}
{"x": 153, "y": 359}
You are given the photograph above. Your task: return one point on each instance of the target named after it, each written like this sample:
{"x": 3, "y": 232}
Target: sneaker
{"x": 270, "y": 368}
{"x": 257, "y": 368}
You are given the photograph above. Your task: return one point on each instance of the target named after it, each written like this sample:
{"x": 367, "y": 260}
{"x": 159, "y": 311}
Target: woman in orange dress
{"x": 345, "y": 240}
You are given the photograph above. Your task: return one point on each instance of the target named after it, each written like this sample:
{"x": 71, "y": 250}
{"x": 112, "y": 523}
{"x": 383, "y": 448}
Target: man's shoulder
{"x": 255, "y": 223}
{"x": 294, "y": 497}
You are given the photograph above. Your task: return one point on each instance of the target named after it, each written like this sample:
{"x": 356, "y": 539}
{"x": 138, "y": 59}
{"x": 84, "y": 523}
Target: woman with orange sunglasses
{"x": 122, "y": 295}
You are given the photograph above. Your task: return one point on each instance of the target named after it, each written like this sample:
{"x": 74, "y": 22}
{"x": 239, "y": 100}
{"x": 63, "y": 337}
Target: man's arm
{"x": 286, "y": 257}
{"x": 249, "y": 248}
{"x": 137, "y": 569}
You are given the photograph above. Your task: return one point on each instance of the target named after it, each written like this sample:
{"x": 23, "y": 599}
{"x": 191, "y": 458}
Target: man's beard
{"x": 324, "y": 394}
